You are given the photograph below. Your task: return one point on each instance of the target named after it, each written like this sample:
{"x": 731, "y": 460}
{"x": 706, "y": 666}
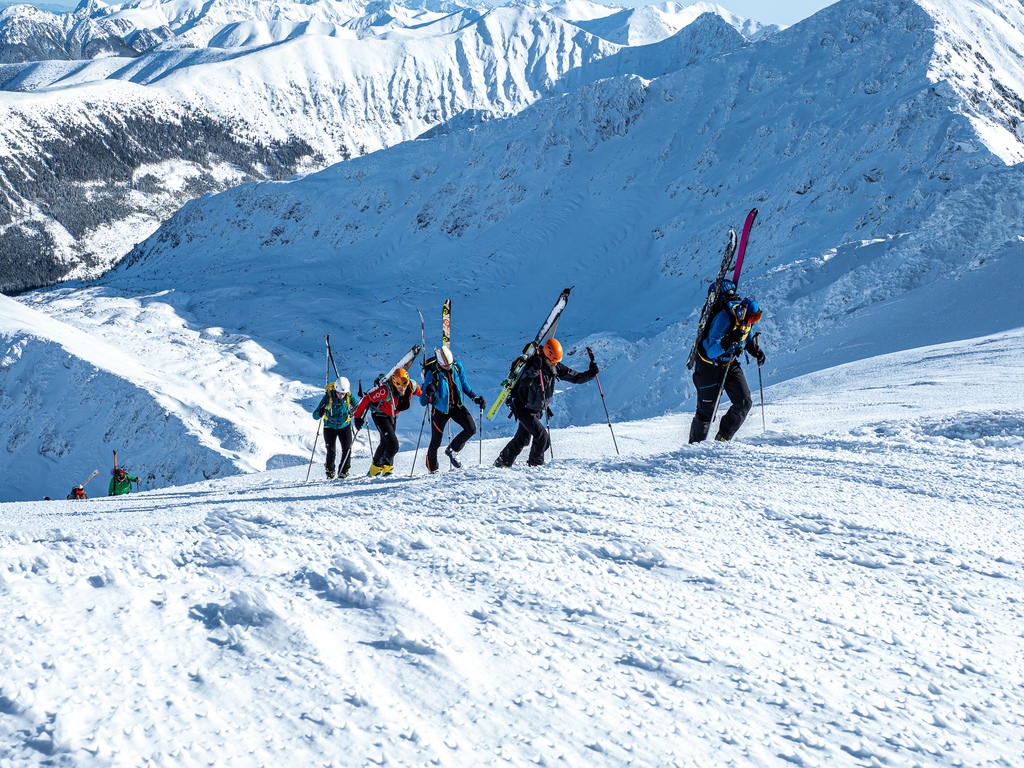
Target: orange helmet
{"x": 552, "y": 350}
{"x": 400, "y": 378}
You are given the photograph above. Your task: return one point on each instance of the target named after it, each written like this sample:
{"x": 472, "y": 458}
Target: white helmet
{"x": 444, "y": 357}
{"x": 342, "y": 387}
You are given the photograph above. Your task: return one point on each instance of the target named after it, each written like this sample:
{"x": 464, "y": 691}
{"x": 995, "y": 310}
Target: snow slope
{"x": 189, "y": 408}
{"x": 843, "y": 590}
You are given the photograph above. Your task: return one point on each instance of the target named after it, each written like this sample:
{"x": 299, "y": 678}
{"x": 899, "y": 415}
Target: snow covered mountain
{"x": 891, "y": 212}
{"x": 113, "y": 116}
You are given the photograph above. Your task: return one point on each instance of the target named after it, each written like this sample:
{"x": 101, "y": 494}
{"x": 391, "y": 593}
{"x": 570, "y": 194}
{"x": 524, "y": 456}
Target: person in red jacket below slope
{"x": 385, "y": 402}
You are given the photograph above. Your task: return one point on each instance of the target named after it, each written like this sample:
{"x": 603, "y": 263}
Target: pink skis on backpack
{"x": 743, "y": 245}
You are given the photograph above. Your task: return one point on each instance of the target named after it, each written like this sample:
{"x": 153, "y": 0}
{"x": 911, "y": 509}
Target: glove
{"x": 758, "y": 355}
{"x": 479, "y": 400}
{"x": 359, "y": 423}
{"x": 592, "y": 370}
{"x": 550, "y": 414}
{"x": 320, "y": 413}
{"x": 430, "y": 390}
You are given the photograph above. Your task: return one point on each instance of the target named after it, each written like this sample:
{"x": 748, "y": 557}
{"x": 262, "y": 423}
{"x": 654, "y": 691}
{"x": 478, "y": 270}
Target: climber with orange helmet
{"x": 530, "y": 399}
{"x": 385, "y": 401}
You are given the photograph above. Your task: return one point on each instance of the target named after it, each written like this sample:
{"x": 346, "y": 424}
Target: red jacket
{"x": 386, "y": 400}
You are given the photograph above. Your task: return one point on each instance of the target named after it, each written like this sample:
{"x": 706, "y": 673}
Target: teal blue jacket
{"x": 336, "y": 411}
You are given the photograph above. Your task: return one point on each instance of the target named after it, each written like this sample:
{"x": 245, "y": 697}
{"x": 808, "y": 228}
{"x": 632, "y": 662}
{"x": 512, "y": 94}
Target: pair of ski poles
{"x": 327, "y": 380}
{"x": 760, "y": 387}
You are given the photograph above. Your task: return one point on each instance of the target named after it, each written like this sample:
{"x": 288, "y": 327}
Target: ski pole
{"x": 369, "y": 434}
{"x": 760, "y": 383}
{"x": 480, "y": 463}
{"x": 547, "y": 410}
{"x": 313, "y": 453}
{"x": 721, "y": 388}
{"x": 416, "y": 455}
{"x": 351, "y": 447}
{"x": 601, "y": 391}
{"x": 327, "y": 380}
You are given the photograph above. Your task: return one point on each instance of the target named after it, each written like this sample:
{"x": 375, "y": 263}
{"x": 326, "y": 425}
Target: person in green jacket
{"x": 336, "y": 410}
{"x": 121, "y": 482}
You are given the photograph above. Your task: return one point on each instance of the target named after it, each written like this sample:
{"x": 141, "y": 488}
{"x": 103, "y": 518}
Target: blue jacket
{"x": 335, "y": 410}
{"x": 726, "y": 338}
{"x": 449, "y": 387}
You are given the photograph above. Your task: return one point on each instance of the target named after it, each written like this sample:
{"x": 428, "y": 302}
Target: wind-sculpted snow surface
{"x": 813, "y": 596}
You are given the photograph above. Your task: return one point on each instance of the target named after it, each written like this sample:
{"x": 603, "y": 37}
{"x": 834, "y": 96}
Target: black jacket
{"x": 536, "y": 386}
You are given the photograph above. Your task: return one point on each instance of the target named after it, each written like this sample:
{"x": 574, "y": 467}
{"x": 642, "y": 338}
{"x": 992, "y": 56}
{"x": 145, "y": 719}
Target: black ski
{"x": 547, "y": 330}
{"x": 714, "y": 293}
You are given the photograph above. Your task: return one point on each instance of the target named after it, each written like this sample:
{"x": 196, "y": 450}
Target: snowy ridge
{"x": 151, "y": 402}
{"x": 811, "y": 596}
{"x": 320, "y": 98}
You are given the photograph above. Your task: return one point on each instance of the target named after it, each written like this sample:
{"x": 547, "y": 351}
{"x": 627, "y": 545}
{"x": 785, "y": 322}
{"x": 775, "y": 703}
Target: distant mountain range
{"x": 113, "y": 116}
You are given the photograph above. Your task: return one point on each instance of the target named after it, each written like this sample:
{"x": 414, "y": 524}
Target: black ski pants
{"x": 331, "y": 438}
{"x": 531, "y": 428}
{"x": 707, "y": 378}
{"x": 385, "y": 454}
{"x": 461, "y": 416}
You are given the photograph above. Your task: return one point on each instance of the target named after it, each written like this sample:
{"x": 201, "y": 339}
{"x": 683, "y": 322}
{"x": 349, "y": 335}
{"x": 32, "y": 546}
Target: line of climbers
{"x": 445, "y": 392}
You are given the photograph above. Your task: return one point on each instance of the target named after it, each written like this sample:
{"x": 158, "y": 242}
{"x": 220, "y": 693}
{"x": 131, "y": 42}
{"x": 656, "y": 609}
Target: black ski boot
{"x": 453, "y": 458}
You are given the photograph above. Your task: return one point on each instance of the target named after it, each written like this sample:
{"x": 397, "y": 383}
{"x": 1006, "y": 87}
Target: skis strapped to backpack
{"x": 714, "y": 302}
{"x": 446, "y": 329}
{"x": 711, "y": 303}
{"x": 547, "y": 330}
{"x": 405, "y": 362}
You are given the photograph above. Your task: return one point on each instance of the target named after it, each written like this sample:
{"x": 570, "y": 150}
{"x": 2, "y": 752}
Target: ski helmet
{"x": 552, "y": 350}
{"x": 341, "y": 386}
{"x": 400, "y": 378}
{"x": 751, "y": 311}
{"x": 444, "y": 357}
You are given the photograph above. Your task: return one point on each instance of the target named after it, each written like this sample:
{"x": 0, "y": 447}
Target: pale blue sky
{"x": 777, "y": 12}
{"x": 784, "y": 12}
